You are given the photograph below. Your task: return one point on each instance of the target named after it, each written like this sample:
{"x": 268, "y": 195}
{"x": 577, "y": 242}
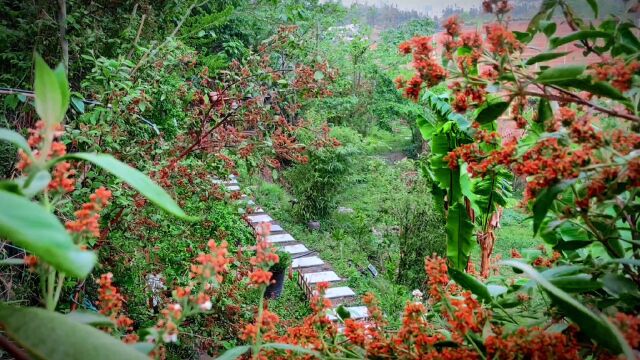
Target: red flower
{"x": 452, "y": 26}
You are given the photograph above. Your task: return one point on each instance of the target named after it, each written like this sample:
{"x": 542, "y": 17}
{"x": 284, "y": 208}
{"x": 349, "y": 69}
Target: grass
{"x": 374, "y": 190}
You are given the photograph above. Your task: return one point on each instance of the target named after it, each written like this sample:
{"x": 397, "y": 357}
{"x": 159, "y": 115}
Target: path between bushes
{"x": 309, "y": 267}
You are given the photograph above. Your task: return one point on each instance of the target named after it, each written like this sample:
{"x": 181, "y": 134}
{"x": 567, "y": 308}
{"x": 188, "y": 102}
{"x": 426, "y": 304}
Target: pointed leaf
{"x": 28, "y": 225}
{"x": 52, "y": 92}
{"x": 544, "y": 200}
{"x": 53, "y": 336}
{"x": 594, "y": 7}
{"x": 472, "y": 284}
{"x": 234, "y": 353}
{"x": 90, "y": 318}
{"x": 294, "y": 348}
{"x": 597, "y": 327}
{"x": 560, "y": 73}
{"x": 578, "y": 36}
{"x": 136, "y": 179}
{"x": 16, "y": 139}
{"x": 545, "y": 57}
{"x": 459, "y": 236}
{"x": 544, "y": 110}
{"x": 490, "y": 111}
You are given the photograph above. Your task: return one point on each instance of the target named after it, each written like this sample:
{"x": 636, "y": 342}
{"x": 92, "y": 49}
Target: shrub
{"x": 421, "y": 234}
{"x": 316, "y": 183}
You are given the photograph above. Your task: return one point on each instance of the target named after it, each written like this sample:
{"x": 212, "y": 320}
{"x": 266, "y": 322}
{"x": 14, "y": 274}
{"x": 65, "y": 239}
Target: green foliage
{"x": 316, "y": 183}
{"x": 49, "y": 335}
{"x": 421, "y": 234}
{"x": 30, "y": 226}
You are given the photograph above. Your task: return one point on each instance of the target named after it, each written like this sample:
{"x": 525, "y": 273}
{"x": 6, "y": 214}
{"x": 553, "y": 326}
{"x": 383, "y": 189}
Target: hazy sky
{"x": 425, "y": 6}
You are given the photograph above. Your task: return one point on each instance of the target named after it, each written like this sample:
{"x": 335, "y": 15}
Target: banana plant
{"x": 467, "y": 202}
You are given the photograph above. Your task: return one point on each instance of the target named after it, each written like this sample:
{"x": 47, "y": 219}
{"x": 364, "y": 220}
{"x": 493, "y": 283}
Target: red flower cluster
{"x": 617, "y": 71}
{"x": 499, "y": 7}
{"x": 428, "y": 69}
{"x": 629, "y": 325}
{"x": 533, "y": 343}
{"x": 437, "y": 277}
{"x": 466, "y": 315}
{"x": 88, "y": 216}
{"x": 501, "y": 40}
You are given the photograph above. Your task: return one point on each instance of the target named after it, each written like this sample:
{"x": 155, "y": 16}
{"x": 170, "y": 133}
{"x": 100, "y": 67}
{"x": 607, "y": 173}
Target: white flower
{"x": 417, "y": 294}
{"x": 206, "y": 306}
{"x": 169, "y": 338}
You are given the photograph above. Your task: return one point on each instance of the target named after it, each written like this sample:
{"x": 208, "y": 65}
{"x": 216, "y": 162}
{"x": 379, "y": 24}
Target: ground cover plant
{"x": 483, "y": 205}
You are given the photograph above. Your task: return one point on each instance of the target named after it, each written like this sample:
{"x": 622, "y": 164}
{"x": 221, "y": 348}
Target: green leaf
{"x": 599, "y": 88}
{"x": 544, "y": 111}
{"x": 343, "y": 313}
{"x": 578, "y": 36}
{"x": 594, "y": 7}
{"x": 52, "y": 92}
{"x": 548, "y": 27}
{"x": 294, "y": 348}
{"x": 597, "y": 327}
{"x": 560, "y": 73}
{"x": 234, "y": 353}
{"x": 522, "y": 36}
{"x": 490, "y": 111}
{"x": 545, "y": 9}
{"x": 90, "y": 318}
{"x": 576, "y": 283}
{"x": 546, "y": 56}
{"x": 16, "y": 139}
{"x": 318, "y": 75}
{"x": 471, "y": 283}
{"x": 53, "y": 336}
{"x": 544, "y": 200}
{"x": 618, "y": 284}
{"x": 31, "y": 227}
{"x": 459, "y": 236}
{"x": 136, "y": 179}
{"x": 143, "y": 347}
{"x": 35, "y": 183}
{"x": 78, "y": 104}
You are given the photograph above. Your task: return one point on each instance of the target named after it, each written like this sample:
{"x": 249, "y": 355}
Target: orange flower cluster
{"x": 617, "y": 71}
{"x": 533, "y": 343}
{"x": 168, "y": 324}
{"x": 110, "y": 302}
{"x": 429, "y": 70}
{"x": 210, "y": 265}
{"x": 465, "y": 316}
{"x": 62, "y": 177}
{"x": 437, "y": 277}
{"x": 264, "y": 258}
{"x": 88, "y": 216}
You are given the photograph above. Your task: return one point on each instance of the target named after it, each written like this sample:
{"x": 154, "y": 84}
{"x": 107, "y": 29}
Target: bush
{"x": 316, "y": 183}
{"x": 421, "y": 234}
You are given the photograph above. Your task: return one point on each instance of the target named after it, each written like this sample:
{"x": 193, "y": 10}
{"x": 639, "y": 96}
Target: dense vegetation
{"x": 480, "y": 199}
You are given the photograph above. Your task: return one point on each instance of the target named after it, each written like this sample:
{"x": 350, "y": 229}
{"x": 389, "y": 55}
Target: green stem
{"x": 255, "y": 348}
{"x": 56, "y": 296}
{"x": 51, "y": 277}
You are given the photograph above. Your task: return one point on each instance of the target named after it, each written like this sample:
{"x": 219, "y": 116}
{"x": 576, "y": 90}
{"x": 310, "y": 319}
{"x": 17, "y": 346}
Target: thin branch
{"x": 13, "y": 349}
{"x": 576, "y": 99}
{"x": 64, "y": 44}
{"x": 152, "y": 52}
{"x": 135, "y": 41}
